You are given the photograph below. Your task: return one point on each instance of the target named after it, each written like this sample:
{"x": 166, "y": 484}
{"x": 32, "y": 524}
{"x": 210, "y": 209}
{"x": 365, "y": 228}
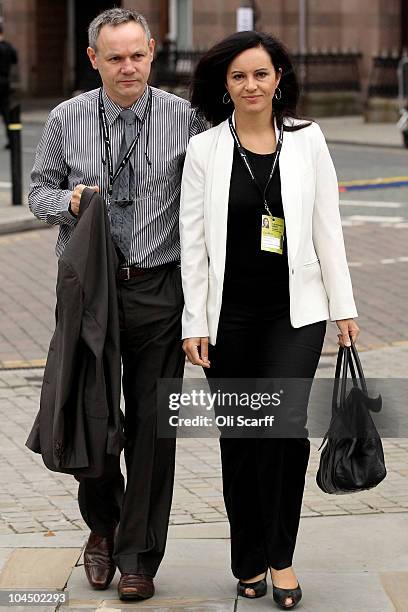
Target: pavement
{"x": 353, "y": 130}
{"x": 352, "y": 550}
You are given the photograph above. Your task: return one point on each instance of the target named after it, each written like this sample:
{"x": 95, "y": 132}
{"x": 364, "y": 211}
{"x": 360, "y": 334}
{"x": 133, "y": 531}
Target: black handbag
{"x": 353, "y": 457}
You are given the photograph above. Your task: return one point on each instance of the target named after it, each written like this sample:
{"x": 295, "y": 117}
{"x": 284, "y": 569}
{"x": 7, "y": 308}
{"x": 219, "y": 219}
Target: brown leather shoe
{"x": 98, "y": 563}
{"x": 135, "y": 586}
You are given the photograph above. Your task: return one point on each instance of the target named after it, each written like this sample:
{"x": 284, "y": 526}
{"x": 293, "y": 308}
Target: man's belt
{"x": 127, "y": 272}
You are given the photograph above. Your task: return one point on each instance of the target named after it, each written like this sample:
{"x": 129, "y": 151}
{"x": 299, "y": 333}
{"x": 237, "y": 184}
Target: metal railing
{"x": 383, "y": 80}
{"x": 174, "y": 67}
{"x": 319, "y": 71}
{"x": 402, "y": 74}
{"x": 327, "y": 71}
{"x": 403, "y": 97}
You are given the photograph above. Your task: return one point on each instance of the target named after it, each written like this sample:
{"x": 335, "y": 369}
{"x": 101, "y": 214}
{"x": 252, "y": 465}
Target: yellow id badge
{"x": 272, "y": 232}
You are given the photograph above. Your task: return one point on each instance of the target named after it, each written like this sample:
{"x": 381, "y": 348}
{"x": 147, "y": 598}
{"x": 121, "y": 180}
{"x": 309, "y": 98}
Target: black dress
{"x": 263, "y": 478}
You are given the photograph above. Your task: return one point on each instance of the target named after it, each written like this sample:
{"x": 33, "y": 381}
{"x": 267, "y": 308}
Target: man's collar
{"x": 112, "y": 109}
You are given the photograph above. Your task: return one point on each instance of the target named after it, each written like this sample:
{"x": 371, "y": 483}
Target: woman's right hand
{"x": 196, "y": 350}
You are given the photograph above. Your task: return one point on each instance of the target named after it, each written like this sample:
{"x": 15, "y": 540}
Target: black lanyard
{"x": 104, "y": 123}
{"x": 244, "y": 158}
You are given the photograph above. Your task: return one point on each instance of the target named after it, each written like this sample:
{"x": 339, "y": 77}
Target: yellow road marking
{"x": 377, "y": 181}
{"x": 20, "y": 364}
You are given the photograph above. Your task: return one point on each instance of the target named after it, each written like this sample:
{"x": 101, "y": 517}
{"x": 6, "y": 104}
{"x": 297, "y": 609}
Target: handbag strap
{"x": 360, "y": 382}
{"x": 352, "y": 369}
{"x": 354, "y": 355}
{"x": 340, "y": 376}
{"x": 343, "y": 388}
{"x": 337, "y": 377}
{"x": 338, "y": 362}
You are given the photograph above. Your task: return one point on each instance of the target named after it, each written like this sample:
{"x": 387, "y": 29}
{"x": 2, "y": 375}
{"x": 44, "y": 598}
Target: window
{"x": 181, "y": 23}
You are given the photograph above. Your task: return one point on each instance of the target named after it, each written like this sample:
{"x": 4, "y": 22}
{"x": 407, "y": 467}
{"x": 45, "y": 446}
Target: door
{"x": 85, "y": 77}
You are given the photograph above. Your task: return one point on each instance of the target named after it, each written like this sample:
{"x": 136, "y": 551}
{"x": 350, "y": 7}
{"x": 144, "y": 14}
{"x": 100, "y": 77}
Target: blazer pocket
{"x": 310, "y": 263}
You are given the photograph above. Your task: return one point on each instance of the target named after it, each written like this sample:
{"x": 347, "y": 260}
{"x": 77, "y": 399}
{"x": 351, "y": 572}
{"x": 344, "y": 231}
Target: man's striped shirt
{"x": 71, "y": 152}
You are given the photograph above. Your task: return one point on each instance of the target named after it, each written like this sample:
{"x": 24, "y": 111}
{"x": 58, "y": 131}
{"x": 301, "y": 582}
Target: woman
{"x": 263, "y": 268}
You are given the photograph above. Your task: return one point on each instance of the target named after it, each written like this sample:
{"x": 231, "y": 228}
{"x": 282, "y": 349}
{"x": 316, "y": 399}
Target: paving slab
{"x": 38, "y": 568}
{"x": 372, "y": 542}
{"x": 205, "y": 531}
{"x": 4, "y": 555}
{"x": 190, "y": 605}
{"x": 396, "y": 585}
{"x": 68, "y": 539}
{"x": 325, "y": 592}
{"x": 193, "y": 571}
{"x": 62, "y": 539}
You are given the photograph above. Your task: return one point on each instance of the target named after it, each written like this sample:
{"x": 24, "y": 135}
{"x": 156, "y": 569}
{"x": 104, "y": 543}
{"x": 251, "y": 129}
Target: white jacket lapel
{"x": 290, "y": 171}
{"x": 219, "y": 196}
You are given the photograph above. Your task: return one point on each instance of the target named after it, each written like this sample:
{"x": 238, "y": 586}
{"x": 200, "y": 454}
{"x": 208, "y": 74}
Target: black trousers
{"x": 263, "y": 478}
{"x": 5, "y": 112}
{"x": 150, "y": 318}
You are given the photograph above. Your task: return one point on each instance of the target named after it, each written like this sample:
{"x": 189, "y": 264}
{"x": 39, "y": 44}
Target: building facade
{"x": 51, "y": 35}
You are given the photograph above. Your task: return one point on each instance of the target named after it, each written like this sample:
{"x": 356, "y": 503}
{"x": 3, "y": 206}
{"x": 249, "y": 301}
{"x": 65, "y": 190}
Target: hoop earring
{"x": 224, "y": 101}
{"x": 278, "y": 91}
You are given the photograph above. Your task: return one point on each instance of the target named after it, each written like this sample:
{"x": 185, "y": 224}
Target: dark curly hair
{"x": 209, "y": 78}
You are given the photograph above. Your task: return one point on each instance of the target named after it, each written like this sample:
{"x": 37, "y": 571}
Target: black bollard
{"x": 14, "y": 128}
{"x": 405, "y": 137}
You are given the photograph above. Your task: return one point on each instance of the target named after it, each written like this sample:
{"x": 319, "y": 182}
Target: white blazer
{"x": 319, "y": 279}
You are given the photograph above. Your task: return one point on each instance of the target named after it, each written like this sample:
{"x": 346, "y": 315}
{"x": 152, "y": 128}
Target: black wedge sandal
{"x": 280, "y": 596}
{"x": 259, "y": 587}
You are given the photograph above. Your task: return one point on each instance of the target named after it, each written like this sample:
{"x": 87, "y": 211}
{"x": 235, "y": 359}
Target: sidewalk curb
{"x": 354, "y": 143}
{"x": 34, "y": 120}
{"x": 14, "y": 226}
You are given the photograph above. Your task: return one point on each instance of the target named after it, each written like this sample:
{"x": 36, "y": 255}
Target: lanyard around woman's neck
{"x": 245, "y": 159}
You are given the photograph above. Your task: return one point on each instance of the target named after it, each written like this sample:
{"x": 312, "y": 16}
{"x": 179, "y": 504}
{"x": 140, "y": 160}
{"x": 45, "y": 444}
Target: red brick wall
{"x": 280, "y": 19}
{"x": 213, "y": 20}
{"x": 149, "y": 9}
{"x": 52, "y": 39}
{"x": 19, "y": 18}
{"x": 38, "y": 29}
{"x": 366, "y": 25}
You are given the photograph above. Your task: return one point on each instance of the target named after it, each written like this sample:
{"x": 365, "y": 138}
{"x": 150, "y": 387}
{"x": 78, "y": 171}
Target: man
{"x": 8, "y": 58}
{"x": 88, "y": 141}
